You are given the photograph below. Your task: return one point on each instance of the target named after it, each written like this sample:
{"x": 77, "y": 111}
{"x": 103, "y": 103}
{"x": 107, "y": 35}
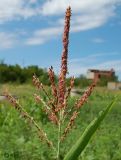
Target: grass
{"x": 18, "y": 141}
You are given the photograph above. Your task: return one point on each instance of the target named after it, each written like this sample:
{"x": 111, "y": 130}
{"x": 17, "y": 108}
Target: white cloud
{"x": 14, "y": 9}
{"x": 86, "y": 15}
{"x": 54, "y": 7}
{"x": 80, "y": 66}
{"x": 7, "y": 40}
{"x": 94, "y": 57}
{"x": 110, "y": 64}
{"x": 78, "y": 69}
{"x": 33, "y": 1}
{"x": 43, "y": 35}
{"x": 78, "y": 23}
{"x": 98, "y": 40}
{"x": 90, "y": 14}
{"x": 84, "y": 60}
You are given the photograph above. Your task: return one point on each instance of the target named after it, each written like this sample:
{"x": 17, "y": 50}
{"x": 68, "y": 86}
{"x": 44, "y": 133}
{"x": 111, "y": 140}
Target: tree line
{"x": 20, "y": 75}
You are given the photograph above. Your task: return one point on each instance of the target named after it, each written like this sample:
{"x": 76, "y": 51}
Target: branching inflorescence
{"x": 56, "y": 105}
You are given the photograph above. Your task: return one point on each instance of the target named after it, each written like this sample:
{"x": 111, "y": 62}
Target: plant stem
{"x": 8, "y": 114}
{"x": 59, "y": 137}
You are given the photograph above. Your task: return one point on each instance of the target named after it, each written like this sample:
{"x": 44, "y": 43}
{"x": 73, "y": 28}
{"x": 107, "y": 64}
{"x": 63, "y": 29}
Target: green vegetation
{"x": 104, "y": 80}
{"x": 17, "y": 74}
{"x": 19, "y": 141}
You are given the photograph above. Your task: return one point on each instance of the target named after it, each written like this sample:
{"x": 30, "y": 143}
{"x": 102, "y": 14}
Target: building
{"x": 95, "y": 74}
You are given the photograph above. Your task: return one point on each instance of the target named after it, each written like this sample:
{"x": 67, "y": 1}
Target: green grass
{"x": 18, "y": 141}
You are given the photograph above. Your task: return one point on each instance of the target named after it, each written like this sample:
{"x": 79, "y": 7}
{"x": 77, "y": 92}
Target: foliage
{"x": 80, "y": 145}
{"x": 18, "y": 139}
{"x": 17, "y": 74}
{"x": 104, "y": 80}
{"x": 82, "y": 81}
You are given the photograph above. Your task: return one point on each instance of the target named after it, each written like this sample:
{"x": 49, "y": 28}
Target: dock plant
{"x": 56, "y": 105}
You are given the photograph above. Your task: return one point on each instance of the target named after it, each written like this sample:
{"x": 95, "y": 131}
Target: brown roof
{"x": 104, "y": 71}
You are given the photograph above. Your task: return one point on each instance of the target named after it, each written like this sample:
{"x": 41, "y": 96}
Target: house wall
{"x": 90, "y": 75}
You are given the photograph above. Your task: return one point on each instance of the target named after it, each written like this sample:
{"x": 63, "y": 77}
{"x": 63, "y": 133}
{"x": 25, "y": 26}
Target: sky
{"x": 31, "y": 34}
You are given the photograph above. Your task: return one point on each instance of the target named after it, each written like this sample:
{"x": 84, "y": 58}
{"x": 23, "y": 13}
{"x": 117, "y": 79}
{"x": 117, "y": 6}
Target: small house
{"x": 95, "y": 74}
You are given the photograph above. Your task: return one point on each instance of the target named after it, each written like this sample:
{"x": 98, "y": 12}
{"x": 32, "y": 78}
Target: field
{"x": 18, "y": 141}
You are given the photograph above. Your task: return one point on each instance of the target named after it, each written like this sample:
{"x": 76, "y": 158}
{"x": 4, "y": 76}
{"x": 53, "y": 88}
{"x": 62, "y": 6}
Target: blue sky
{"x": 31, "y": 34}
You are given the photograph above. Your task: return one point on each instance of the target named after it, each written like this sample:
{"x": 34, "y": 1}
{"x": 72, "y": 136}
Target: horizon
{"x": 57, "y": 74}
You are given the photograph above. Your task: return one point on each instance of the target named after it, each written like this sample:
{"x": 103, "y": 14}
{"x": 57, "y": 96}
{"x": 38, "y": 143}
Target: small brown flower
{"x": 37, "y": 98}
{"x": 52, "y": 116}
{"x": 85, "y": 96}
{"x": 36, "y": 82}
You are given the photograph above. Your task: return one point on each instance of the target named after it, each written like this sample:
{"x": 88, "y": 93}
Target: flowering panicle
{"x": 39, "y": 86}
{"x": 85, "y": 96}
{"x": 77, "y": 106}
{"x": 52, "y": 80}
{"x": 53, "y": 118}
{"x": 38, "y": 99}
{"x": 63, "y": 72}
{"x": 13, "y": 101}
{"x": 51, "y": 114}
{"x": 69, "y": 89}
{"x": 36, "y": 82}
{"x": 27, "y": 117}
{"x": 65, "y": 42}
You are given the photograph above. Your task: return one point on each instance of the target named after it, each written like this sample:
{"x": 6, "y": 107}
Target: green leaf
{"x": 79, "y": 146}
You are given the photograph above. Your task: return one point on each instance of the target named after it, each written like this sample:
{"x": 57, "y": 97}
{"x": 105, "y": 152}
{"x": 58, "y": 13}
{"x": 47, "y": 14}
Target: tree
{"x": 104, "y": 80}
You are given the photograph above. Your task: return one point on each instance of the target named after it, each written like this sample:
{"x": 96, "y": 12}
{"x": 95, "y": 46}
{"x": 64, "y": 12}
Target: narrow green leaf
{"x": 79, "y": 146}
